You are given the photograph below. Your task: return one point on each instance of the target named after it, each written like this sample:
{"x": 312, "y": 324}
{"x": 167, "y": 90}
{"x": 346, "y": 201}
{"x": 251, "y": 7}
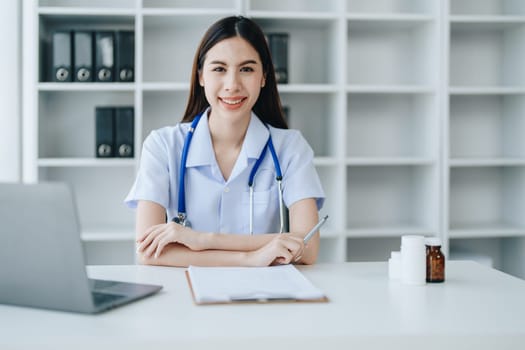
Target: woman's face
{"x": 232, "y": 77}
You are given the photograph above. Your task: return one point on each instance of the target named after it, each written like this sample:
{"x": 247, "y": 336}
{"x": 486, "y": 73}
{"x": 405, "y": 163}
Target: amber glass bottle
{"x": 435, "y": 261}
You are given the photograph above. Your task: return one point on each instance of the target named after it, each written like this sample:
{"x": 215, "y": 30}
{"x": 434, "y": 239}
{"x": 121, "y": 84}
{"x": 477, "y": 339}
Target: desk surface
{"x": 476, "y": 306}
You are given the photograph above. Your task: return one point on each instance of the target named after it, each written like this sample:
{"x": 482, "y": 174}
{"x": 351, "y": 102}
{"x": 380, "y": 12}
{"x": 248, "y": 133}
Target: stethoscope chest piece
{"x": 182, "y": 220}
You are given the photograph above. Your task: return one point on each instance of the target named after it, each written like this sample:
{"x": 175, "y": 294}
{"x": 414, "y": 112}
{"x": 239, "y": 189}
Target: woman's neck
{"x": 227, "y": 132}
{"x": 227, "y": 137}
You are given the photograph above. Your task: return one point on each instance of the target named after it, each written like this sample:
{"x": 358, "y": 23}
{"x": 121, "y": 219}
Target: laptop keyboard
{"x": 102, "y": 284}
{"x": 105, "y": 298}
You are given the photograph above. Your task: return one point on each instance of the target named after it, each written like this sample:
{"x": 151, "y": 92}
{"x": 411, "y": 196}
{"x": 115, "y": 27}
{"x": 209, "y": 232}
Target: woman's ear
{"x": 201, "y": 81}
{"x": 263, "y": 82}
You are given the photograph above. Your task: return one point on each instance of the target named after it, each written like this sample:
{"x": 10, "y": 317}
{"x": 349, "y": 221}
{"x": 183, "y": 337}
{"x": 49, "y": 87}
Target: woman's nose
{"x": 232, "y": 81}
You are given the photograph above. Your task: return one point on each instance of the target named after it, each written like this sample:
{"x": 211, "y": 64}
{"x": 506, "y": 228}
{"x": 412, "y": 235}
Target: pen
{"x": 310, "y": 234}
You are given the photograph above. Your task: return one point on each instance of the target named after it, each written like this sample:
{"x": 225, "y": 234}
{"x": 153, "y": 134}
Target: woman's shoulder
{"x": 286, "y": 136}
{"x": 170, "y": 132}
{"x": 168, "y": 136}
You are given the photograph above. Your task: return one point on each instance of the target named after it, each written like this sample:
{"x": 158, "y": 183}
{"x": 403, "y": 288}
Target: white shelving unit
{"x": 485, "y": 124}
{"x": 414, "y": 110}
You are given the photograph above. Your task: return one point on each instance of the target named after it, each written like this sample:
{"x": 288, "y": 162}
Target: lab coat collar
{"x": 255, "y": 139}
{"x": 201, "y": 150}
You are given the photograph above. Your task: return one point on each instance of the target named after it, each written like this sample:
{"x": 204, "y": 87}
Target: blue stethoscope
{"x": 181, "y": 217}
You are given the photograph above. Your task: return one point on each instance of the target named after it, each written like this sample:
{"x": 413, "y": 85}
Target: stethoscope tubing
{"x": 181, "y": 215}
{"x": 182, "y": 172}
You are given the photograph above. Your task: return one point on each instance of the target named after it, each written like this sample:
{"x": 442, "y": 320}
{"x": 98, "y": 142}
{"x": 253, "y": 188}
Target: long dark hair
{"x": 268, "y": 106}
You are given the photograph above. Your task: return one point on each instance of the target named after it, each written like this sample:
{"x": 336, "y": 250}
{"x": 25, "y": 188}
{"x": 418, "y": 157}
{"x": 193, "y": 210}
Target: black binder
{"x": 105, "y": 132}
{"x": 61, "y": 56}
{"x": 124, "y": 132}
{"x": 104, "y": 56}
{"x": 125, "y": 56}
{"x": 286, "y": 114}
{"x": 83, "y": 56}
{"x": 278, "y": 43}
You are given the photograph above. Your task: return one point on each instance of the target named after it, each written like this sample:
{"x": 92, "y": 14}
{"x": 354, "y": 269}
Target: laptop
{"x": 41, "y": 255}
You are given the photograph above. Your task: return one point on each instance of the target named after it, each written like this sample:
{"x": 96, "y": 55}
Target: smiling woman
{"x": 240, "y": 148}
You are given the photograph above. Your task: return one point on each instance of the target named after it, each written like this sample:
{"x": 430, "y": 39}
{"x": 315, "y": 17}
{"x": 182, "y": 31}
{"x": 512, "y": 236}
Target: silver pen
{"x": 310, "y": 234}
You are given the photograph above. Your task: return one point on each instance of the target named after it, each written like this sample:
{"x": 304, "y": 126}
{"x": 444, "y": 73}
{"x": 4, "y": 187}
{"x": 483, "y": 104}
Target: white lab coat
{"x": 216, "y": 205}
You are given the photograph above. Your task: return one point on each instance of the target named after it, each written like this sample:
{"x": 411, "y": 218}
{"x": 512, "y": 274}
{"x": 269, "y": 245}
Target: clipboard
{"x": 241, "y": 285}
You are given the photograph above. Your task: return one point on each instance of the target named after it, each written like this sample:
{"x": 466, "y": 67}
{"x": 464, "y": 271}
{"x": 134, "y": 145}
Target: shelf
{"x": 389, "y": 8}
{"x": 87, "y": 4}
{"x": 317, "y": 131}
{"x": 487, "y": 127}
{"x": 86, "y": 11}
{"x": 68, "y": 87}
{"x": 295, "y": 15}
{"x": 306, "y": 66}
{"x": 86, "y": 162}
{"x": 484, "y": 195}
{"x": 489, "y": 230}
{"x": 169, "y": 12}
{"x": 486, "y": 8}
{"x": 482, "y": 23}
{"x": 390, "y": 89}
{"x": 385, "y": 161}
{"x": 486, "y": 90}
{"x": 108, "y": 235}
{"x": 487, "y": 54}
{"x": 378, "y": 232}
{"x": 376, "y": 23}
{"x": 308, "y": 88}
{"x": 392, "y": 127}
{"x": 165, "y": 86}
{"x": 65, "y": 111}
{"x": 204, "y": 5}
{"x": 486, "y": 162}
{"x": 277, "y": 7}
{"x": 391, "y": 197}
{"x": 391, "y": 53}
{"x": 325, "y": 161}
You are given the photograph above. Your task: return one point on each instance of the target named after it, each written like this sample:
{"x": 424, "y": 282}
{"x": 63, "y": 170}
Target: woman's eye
{"x": 218, "y": 69}
{"x": 246, "y": 69}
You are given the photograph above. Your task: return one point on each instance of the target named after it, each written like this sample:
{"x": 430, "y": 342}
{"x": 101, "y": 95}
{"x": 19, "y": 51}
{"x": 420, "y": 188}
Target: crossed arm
{"x": 170, "y": 244}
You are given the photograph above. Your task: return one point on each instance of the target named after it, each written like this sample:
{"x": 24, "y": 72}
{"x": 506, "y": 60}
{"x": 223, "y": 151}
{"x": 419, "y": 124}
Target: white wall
{"x": 10, "y": 91}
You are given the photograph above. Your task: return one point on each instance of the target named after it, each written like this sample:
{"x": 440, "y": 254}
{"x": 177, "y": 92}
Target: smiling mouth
{"x": 233, "y": 102}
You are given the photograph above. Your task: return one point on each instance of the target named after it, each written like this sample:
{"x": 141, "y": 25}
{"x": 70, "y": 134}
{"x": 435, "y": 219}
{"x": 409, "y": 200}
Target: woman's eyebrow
{"x": 240, "y": 64}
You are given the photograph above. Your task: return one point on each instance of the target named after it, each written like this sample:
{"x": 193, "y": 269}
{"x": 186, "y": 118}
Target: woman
{"x": 232, "y": 110}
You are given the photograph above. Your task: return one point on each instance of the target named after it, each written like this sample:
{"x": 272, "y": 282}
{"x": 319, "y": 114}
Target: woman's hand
{"x": 155, "y": 238}
{"x": 283, "y": 249}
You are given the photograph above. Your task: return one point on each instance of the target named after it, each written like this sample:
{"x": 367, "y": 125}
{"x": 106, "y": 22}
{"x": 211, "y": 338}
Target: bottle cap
{"x": 433, "y": 241}
{"x": 412, "y": 240}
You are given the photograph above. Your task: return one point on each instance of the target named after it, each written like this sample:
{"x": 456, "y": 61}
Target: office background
{"x": 414, "y": 109}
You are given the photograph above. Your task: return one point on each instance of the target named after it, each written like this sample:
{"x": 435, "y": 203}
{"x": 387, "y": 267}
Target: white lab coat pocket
{"x": 265, "y": 207}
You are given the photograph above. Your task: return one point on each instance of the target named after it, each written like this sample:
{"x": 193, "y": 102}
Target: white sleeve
{"x": 300, "y": 178}
{"x": 153, "y": 178}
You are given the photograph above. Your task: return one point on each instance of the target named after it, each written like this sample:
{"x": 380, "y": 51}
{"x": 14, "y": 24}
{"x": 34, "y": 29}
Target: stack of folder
{"x": 86, "y": 56}
{"x": 114, "y": 132}
{"x": 278, "y": 44}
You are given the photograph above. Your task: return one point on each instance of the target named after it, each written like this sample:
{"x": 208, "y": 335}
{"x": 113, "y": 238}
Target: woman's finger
{"x": 160, "y": 246}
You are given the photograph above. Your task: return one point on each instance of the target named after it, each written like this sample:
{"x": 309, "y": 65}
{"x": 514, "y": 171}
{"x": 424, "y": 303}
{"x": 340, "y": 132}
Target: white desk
{"x": 475, "y": 308}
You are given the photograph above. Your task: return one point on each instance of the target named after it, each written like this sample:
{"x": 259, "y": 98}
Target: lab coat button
{"x": 226, "y": 189}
